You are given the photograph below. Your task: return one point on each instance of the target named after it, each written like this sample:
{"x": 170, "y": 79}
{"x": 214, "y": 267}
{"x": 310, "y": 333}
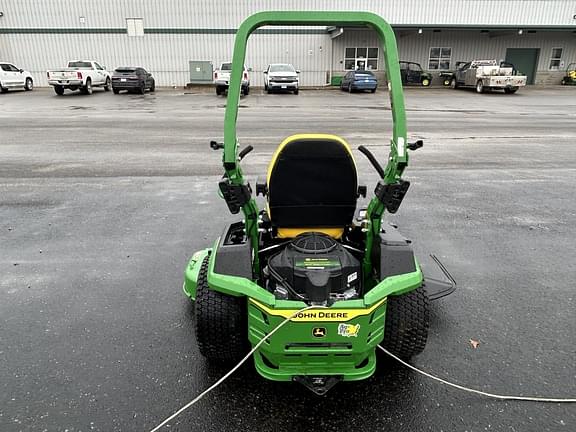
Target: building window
{"x": 135, "y": 27}
{"x": 555, "y": 59}
{"x": 361, "y": 58}
{"x": 439, "y": 58}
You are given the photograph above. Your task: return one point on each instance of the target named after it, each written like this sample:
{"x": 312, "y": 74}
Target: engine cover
{"x": 316, "y": 268}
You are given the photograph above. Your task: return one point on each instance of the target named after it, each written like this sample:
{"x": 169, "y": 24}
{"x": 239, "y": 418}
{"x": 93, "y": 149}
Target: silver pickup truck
{"x": 79, "y": 75}
{"x": 488, "y": 75}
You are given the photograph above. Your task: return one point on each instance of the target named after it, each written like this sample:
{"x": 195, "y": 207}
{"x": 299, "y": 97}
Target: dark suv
{"x": 132, "y": 79}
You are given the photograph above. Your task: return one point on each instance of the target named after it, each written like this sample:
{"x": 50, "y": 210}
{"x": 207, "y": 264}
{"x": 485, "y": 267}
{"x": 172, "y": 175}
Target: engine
{"x": 314, "y": 268}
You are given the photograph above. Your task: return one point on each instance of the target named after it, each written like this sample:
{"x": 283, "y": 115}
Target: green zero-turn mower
{"x": 312, "y": 247}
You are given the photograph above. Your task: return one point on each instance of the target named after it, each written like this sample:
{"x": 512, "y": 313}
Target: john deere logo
{"x": 319, "y": 332}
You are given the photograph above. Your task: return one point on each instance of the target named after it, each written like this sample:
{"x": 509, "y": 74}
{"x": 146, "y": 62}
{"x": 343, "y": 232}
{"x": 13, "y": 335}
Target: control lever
{"x": 245, "y": 151}
{"x": 416, "y": 145}
{"x": 215, "y": 145}
{"x": 372, "y": 160}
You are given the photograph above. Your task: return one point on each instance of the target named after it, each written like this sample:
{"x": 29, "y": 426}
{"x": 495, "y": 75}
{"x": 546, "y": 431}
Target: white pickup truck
{"x": 488, "y": 75}
{"x": 222, "y": 79}
{"x": 83, "y": 75}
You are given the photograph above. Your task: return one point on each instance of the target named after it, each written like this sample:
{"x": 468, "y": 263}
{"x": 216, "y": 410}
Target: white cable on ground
{"x": 221, "y": 380}
{"x": 491, "y": 395}
{"x": 253, "y": 350}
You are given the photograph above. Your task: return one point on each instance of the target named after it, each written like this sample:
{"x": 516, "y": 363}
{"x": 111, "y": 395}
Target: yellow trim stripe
{"x": 304, "y": 137}
{"x": 294, "y": 232}
{"x": 324, "y": 315}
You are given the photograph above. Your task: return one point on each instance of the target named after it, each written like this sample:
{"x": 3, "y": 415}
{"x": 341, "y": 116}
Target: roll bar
{"x": 239, "y": 194}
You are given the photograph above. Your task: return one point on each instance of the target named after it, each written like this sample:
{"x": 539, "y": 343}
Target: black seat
{"x": 312, "y": 185}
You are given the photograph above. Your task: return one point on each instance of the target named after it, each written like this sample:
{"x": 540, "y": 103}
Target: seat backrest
{"x": 312, "y": 185}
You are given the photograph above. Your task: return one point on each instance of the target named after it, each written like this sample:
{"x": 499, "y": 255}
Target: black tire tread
{"x": 221, "y": 322}
{"x": 407, "y": 323}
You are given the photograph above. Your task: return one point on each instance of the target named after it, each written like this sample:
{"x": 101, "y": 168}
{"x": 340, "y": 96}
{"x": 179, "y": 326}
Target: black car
{"x": 359, "y": 80}
{"x": 132, "y": 79}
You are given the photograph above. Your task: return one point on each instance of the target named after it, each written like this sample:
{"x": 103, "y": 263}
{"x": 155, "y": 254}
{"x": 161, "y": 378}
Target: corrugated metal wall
{"x": 229, "y": 14}
{"x": 167, "y": 55}
{"x": 182, "y": 30}
{"x": 466, "y": 45}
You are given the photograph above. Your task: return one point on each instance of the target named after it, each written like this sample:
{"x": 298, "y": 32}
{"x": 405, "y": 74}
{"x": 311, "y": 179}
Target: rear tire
{"x": 479, "y": 87}
{"x": 107, "y": 85}
{"x": 59, "y": 90}
{"x": 29, "y": 84}
{"x": 510, "y": 90}
{"x": 221, "y": 322}
{"x": 426, "y": 82}
{"x": 87, "y": 89}
{"x": 407, "y": 323}
{"x": 142, "y": 89}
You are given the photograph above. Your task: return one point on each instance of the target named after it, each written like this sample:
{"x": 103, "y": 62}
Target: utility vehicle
{"x": 570, "y": 77}
{"x": 412, "y": 73}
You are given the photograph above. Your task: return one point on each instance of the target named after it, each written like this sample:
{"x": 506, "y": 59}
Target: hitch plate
{"x": 318, "y": 384}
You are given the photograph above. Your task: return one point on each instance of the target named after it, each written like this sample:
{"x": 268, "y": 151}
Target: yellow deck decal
{"x": 325, "y": 315}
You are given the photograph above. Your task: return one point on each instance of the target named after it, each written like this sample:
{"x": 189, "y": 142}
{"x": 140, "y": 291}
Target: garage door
{"x": 525, "y": 60}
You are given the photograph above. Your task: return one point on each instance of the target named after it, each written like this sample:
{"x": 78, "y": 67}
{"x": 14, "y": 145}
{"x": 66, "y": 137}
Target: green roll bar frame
{"x": 398, "y": 156}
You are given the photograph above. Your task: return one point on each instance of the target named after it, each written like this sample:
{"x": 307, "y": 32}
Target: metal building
{"x": 169, "y": 37}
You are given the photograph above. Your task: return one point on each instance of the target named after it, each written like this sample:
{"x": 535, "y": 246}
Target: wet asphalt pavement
{"x": 103, "y": 199}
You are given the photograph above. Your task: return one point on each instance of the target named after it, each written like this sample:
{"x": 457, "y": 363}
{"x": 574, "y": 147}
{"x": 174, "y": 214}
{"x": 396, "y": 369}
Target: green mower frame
{"x": 322, "y": 345}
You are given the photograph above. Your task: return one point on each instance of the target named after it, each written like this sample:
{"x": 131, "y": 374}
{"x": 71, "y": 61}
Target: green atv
{"x": 311, "y": 248}
{"x": 412, "y": 73}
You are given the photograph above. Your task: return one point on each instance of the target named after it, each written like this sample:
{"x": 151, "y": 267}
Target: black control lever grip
{"x": 372, "y": 160}
{"x": 416, "y": 145}
{"x": 245, "y": 151}
{"x": 215, "y": 145}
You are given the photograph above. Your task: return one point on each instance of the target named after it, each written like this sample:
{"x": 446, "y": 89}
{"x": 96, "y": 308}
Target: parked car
{"x": 132, "y": 79}
{"x": 222, "y": 79}
{"x": 570, "y": 77}
{"x": 488, "y": 75}
{"x": 13, "y": 77}
{"x": 281, "y": 76}
{"x": 359, "y": 80}
{"x": 82, "y": 74}
{"x": 412, "y": 73}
